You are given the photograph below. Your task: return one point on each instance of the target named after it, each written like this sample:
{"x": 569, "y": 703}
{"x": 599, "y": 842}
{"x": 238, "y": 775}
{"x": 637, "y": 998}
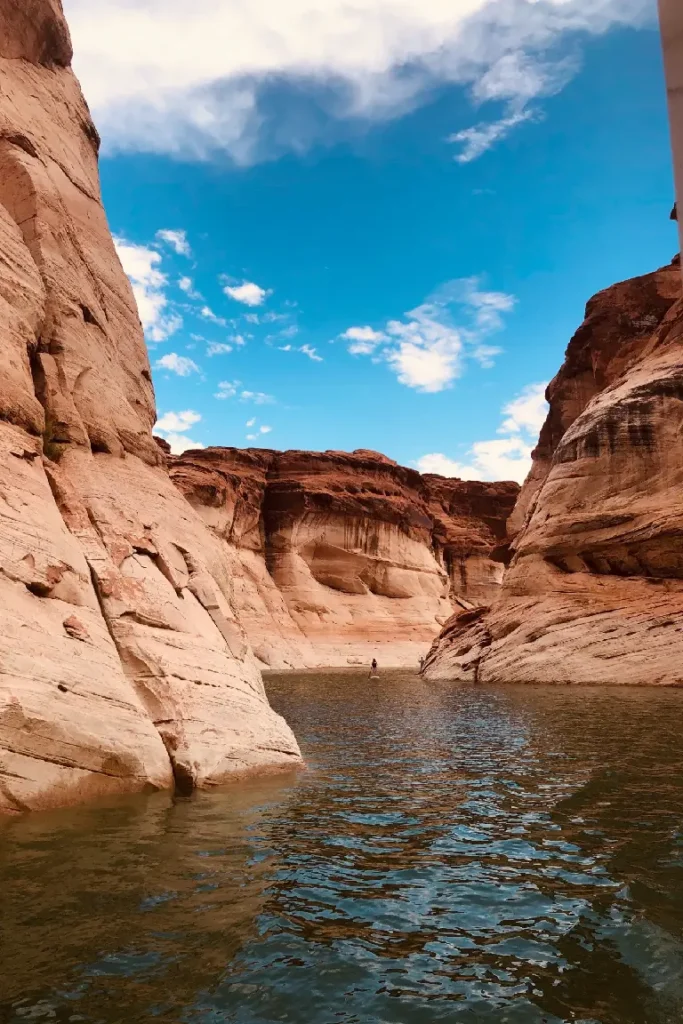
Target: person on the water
{"x": 373, "y": 668}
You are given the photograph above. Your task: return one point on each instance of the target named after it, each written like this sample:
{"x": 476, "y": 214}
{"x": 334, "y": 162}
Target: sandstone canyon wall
{"x": 338, "y": 557}
{"x": 594, "y": 588}
{"x": 122, "y": 664}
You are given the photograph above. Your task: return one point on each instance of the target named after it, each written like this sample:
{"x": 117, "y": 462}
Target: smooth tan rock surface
{"x": 594, "y": 589}
{"x": 342, "y": 557}
{"x": 121, "y": 661}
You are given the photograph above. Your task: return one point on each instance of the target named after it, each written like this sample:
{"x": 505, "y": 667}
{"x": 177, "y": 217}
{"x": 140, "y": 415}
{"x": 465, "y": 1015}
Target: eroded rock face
{"x": 122, "y": 663}
{"x": 339, "y": 557}
{"x": 594, "y": 589}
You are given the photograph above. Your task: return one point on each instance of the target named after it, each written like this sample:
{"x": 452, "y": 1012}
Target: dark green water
{"x": 452, "y": 854}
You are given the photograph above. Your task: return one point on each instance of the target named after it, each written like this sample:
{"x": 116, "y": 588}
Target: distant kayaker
{"x": 374, "y": 668}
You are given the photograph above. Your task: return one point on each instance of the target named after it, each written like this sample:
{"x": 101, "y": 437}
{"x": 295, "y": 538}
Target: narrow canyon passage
{"x": 451, "y": 854}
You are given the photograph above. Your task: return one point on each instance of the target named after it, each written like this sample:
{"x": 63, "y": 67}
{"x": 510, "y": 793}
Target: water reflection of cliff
{"x": 453, "y": 854}
{"x": 118, "y": 912}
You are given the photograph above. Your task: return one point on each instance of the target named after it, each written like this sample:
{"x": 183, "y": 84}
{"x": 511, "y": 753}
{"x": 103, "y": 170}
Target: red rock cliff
{"x": 594, "y": 589}
{"x": 341, "y": 556}
{"x": 122, "y": 663}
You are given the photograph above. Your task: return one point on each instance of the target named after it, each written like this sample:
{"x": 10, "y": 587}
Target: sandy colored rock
{"x": 339, "y": 557}
{"x": 594, "y": 588}
{"x": 121, "y": 661}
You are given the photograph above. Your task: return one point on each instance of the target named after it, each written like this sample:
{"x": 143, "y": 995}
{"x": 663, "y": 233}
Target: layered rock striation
{"x": 339, "y": 557}
{"x": 593, "y": 592}
{"x": 122, "y": 663}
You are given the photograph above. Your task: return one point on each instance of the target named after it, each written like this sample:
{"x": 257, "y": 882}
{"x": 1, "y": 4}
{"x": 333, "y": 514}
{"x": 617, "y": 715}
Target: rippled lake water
{"x": 451, "y": 854}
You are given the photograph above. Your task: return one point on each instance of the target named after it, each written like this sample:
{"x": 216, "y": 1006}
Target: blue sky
{"x": 374, "y": 225}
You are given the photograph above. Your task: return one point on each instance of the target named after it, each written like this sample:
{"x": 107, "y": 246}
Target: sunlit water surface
{"x": 452, "y": 854}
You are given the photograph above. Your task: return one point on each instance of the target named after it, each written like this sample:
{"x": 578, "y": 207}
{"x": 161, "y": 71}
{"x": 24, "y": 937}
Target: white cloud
{"x": 309, "y": 351}
{"x": 291, "y": 332}
{"x": 233, "y": 389}
{"x": 227, "y": 389}
{"x": 526, "y": 413}
{"x": 262, "y": 430}
{"x": 178, "y": 421}
{"x": 142, "y": 265}
{"x": 364, "y": 340}
{"x": 208, "y": 314}
{"x": 481, "y": 137}
{"x": 488, "y": 307}
{"x": 180, "y": 443}
{"x": 506, "y": 458}
{"x": 177, "y": 364}
{"x": 172, "y": 426}
{"x": 185, "y": 76}
{"x": 248, "y": 293}
{"x": 218, "y": 348}
{"x": 428, "y": 366}
{"x": 516, "y": 80}
{"x": 427, "y": 348}
{"x": 257, "y": 397}
{"x": 186, "y": 284}
{"x": 485, "y": 355}
{"x": 251, "y": 422}
{"x": 177, "y": 240}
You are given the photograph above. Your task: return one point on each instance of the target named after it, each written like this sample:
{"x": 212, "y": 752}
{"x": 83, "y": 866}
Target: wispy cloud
{"x": 517, "y": 81}
{"x": 234, "y": 389}
{"x": 248, "y": 293}
{"x": 218, "y": 348}
{"x": 505, "y": 458}
{"x": 172, "y": 427}
{"x": 143, "y": 267}
{"x": 284, "y": 335}
{"x": 364, "y": 340}
{"x": 257, "y": 397}
{"x": 481, "y": 137}
{"x": 177, "y": 240}
{"x": 180, "y": 365}
{"x": 261, "y": 432}
{"x": 190, "y": 77}
{"x": 206, "y": 313}
{"x": 310, "y": 351}
{"x": 186, "y": 285}
{"x": 426, "y": 349}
